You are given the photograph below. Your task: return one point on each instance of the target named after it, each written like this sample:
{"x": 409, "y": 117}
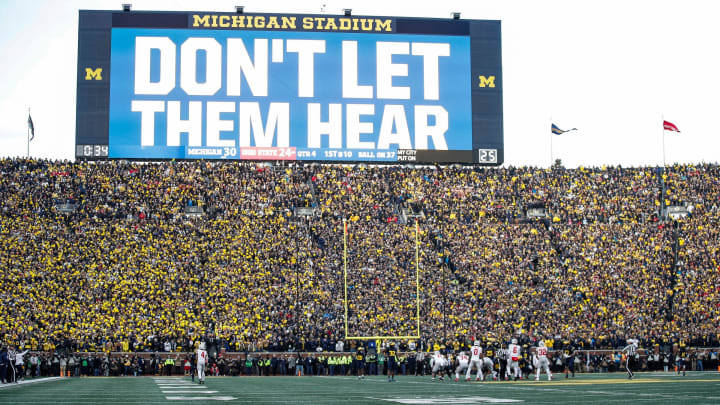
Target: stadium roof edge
{"x": 449, "y": 18}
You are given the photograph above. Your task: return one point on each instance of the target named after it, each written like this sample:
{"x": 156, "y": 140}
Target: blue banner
{"x": 285, "y": 95}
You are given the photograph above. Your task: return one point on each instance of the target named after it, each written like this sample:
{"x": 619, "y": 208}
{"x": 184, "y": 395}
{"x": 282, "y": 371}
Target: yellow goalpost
{"x": 417, "y": 289}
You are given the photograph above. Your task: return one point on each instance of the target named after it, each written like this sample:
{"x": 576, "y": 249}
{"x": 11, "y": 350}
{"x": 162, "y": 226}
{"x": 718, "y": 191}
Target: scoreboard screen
{"x": 196, "y": 85}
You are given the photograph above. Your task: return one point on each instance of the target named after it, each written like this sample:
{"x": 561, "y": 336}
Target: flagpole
{"x": 551, "y": 145}
{"x": 662, "y": 178}
{"x": 28, "y": 136}
{"x": 662, "y": 117}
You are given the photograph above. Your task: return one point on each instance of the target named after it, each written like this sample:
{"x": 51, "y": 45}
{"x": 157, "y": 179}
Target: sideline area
{"x": 651, "y": 388}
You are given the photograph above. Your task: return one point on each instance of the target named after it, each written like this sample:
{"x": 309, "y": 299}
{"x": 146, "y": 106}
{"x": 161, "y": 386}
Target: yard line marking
{"x": 181, "y": 386}
{"x": 216, "y": 398}
{"x": 448, "y": 400}
{"x": 175, "y": 383}
{"x": 188, "y": 392}
{"x": 171, "y": 382}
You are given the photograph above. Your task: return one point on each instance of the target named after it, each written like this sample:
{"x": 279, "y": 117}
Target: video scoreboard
{"x": 207, "y": 85}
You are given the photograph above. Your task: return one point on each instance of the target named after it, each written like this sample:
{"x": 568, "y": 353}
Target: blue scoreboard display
{"x": 168, "y": 85}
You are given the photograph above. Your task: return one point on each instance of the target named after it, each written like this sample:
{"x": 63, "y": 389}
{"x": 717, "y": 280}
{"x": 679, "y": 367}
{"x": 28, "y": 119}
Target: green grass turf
{"x": 649, "y": 388}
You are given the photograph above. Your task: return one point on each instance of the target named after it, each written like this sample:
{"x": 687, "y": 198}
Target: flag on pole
{"x": 557, "y": 131}
{"x": 669, "y": 126}
{"x": 31, "y": 127}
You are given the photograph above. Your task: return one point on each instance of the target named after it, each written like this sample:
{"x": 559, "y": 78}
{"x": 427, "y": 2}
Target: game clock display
{"x": 91, "y": 151}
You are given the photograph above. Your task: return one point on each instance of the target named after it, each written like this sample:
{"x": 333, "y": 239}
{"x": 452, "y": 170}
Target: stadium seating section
{"x": 111, "y": 255}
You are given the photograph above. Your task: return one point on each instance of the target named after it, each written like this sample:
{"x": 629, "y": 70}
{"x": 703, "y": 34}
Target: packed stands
{"x": 136, "y": 256}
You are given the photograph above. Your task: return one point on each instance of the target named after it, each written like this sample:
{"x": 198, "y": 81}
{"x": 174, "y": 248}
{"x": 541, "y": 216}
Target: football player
{"x": 513, "y": 366}
{"x": 476, "y": 360}
{"x": 392, "y": 361}
{"x": 681, "y": 361}
{"x": 462, "y": 364}
{"x": 360, "y": 363}
{"x": 569, "y": 359}
{"x": 202, "y": 361}
{"x": 437, "y": 362}
{"x": 488, "y": 366}
{"x": 449, "y": 362}
{"x": 541, "y": 361}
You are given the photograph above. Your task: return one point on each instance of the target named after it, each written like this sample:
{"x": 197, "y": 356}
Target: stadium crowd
{"x": 578, "y": 256}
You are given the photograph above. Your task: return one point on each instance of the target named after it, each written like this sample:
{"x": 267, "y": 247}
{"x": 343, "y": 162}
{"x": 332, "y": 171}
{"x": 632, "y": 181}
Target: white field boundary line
{"x": 35, "y": 381}
{"x": 183, "y": 386}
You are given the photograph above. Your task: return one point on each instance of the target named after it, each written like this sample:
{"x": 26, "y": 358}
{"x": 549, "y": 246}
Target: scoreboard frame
{"x": 93, "y": 109}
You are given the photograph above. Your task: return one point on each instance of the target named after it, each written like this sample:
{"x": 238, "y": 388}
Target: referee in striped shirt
{"x": 630, "y": 351}
{"x": 502, "y": 356}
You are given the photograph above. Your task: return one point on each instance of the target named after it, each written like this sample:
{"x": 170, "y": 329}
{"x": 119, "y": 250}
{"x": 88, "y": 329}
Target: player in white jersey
{"x": 202, "y": 361}
{"x": 513, "y": 367}
{"x": 475, "y": 361}
{"x": 437, "y": 362}
{"x": 487, "y": 365}
{"x": 462, "y": 364}
{"x": 541, "y": 361}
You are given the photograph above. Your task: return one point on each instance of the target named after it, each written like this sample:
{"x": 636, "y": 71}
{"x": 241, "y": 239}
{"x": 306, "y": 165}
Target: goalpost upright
{"x": 345, "y": 273}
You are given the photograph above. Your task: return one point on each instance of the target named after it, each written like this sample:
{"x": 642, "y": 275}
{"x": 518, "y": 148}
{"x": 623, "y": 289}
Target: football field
{"x": 655, "y": 388}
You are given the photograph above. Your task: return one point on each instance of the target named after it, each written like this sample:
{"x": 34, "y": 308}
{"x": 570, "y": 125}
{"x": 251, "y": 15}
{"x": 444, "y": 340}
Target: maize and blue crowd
{"x": 127, "y": 270}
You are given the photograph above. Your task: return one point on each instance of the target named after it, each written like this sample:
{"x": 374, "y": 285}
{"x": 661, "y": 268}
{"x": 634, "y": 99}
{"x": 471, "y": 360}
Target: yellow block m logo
{"x": 91, "y": 74}
{"x": 487, "y": 81}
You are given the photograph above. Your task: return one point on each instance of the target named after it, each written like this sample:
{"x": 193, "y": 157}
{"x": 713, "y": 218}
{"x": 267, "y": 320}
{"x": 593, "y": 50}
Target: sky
{"x": 613, "y": 69}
